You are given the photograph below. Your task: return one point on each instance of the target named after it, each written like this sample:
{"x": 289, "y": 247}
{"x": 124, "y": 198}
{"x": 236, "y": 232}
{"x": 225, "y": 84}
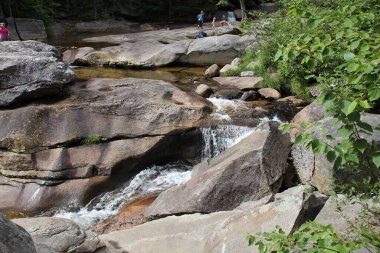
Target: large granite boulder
{"x": 315, "y": 169}
{"x": 269, "y": 93}
{"x": 221, "y": 231}
{"x": 66, "y": 152}
{"x": 58, "y": 235}
{"x": 72, "y": 55}
{"x": 249, "y": 170}
{"x": 160, "y": 48}
{"x": 14, "y": 238}
{"x": 29, "y": 70}
{"x": 308, "y": 115}
{"x": 150, "y": 53}
{"x": 218, "y": 49}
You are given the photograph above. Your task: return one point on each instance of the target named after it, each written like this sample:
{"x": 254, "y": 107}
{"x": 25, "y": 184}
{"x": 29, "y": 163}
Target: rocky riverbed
{"x": 169, "y": 159}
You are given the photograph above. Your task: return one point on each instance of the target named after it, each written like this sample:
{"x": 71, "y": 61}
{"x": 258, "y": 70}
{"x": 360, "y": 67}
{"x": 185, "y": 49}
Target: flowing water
{"x": 152, "y": 180}
{"x": 156, "y": 179}
{"x": 216, "y": 139}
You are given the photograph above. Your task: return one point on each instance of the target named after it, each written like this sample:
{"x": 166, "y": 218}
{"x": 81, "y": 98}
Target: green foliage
{"x": 267, "y": 29}
{"x": 92, "y": 139}
{"x": 341, "y": 51}
{"x": 337, "y": 46}
{"x": 311, "y": 237}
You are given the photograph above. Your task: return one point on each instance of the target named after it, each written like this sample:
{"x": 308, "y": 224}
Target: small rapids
{"x": 154, "y": 179}
{"x": 216, "y": 139}
{"x": 223, "y": 106}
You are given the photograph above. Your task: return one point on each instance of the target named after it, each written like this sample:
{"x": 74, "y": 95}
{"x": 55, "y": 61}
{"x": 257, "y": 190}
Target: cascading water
{"x": 223, "y": 106}
{"x": 154, "y": 179}
{"x": 216, "y": 139}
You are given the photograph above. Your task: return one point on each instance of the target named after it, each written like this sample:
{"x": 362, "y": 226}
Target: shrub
{"x": 92, "y": 139}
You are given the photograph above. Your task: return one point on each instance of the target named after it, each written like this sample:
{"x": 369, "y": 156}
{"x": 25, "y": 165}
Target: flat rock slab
{"x": 218, "y": 232}
{"x": 160, "y": 48}
{"x": 242, "y": 83}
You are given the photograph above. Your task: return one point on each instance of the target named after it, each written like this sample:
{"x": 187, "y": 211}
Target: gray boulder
{"x": 212, "y": 71}
{"x": 236, "y": 62}
{"x": 204, "y": 91}
{"x": 249, "y": 170}
{"x": 250, "y": 95}
{"x": 316, "y": 169}
{"x": 269, "y": 93}
{"x": 14, "y": 238}
{"x": 242, "y": 83}
{"x": 160, "y": 48}
{"x": 58, "y": 235}
{"x": 221, "y": 231}
{"x": 219, "y": 50}
{"x": 308, "y": 115}
{"x": 74, "y": 55}
{"x": 150, "y": 53}
{"x": 29, "y": 70}
{"x": 226, "y": 68}
{"x": 67, "y": 152}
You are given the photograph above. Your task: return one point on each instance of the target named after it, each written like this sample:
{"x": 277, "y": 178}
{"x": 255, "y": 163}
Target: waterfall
{"x": 231, "y": 16}
{"x": 216, "y": 139}
{"x": 154, "y": 179}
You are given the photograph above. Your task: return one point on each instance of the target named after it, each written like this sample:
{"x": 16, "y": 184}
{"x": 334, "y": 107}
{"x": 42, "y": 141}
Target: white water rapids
{"x": 155, "y": 179}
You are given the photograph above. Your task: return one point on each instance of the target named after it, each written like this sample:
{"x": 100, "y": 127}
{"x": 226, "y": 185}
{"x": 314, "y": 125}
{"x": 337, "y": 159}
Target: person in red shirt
{"x": 4, "y": 32}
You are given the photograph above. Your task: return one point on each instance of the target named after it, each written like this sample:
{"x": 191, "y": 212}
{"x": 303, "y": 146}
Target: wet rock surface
{"x": 130, "y": 216}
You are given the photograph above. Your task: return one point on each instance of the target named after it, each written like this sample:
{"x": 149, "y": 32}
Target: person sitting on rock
{"x": 4, "y": 33}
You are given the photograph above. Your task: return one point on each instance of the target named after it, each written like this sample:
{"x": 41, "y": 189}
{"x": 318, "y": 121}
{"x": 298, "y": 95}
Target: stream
{"x": 156, "y": 179}
{"x": 233, "y": 121}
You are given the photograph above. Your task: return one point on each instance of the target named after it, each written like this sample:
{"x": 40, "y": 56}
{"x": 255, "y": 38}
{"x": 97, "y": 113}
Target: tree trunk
{"x": 243, "y": 10}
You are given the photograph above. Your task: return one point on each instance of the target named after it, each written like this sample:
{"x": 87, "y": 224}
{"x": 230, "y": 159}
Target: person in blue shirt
{"x": 200, "y": 19}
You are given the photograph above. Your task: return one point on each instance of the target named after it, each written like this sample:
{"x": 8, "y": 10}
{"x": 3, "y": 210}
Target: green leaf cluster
{"x": 311, "y": 237}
